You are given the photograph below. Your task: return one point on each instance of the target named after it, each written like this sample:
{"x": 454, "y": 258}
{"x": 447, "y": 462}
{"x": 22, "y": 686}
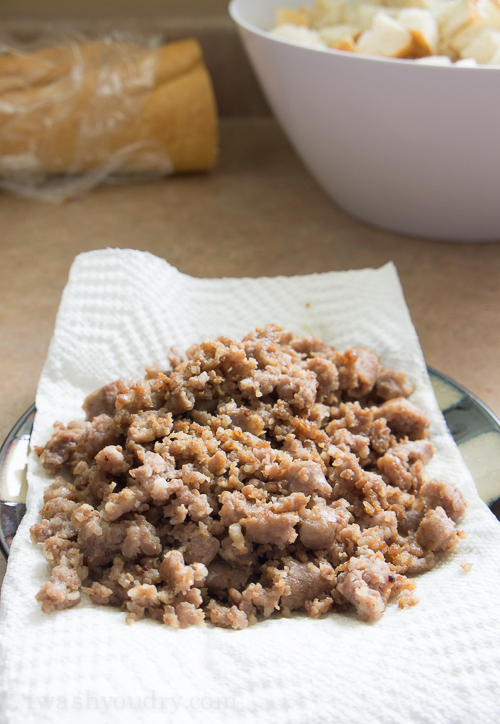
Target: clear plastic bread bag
{"x": 77, "y": 113}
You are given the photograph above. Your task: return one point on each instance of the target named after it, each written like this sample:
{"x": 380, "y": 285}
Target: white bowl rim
{"x": 239, "y": 20}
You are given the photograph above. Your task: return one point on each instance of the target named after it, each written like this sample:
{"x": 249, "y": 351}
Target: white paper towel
{"x": 437, "y": 662}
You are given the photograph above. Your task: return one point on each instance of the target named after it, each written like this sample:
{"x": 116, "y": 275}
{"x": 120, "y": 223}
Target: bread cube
{"x": 422, "y": 24}
{"x": 286, "y": 16}
{"x": 299, "y": 34}
{"x": 483, "y": 47}
{"x": 348, "y": 44}
{"x": 336, "y": 36}
{"x": 386, "y": 37}
{"x": 436, "y": 7}
{"x": 458, "y": 16}
{"x": 460, "y": 40}
{"x": 326, "y": 13}
{"x": 488, "y": 12}
{"x": 362, "y": 13}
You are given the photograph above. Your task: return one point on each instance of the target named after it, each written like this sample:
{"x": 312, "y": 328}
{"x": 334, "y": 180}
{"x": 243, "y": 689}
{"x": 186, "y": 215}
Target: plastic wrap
{"x": 81, "y": 112}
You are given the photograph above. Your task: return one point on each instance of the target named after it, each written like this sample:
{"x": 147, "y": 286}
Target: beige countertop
{"x": 259, "y": 213}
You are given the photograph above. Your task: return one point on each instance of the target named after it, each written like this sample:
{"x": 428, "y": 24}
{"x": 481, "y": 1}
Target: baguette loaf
{"x": 74, "y": 108}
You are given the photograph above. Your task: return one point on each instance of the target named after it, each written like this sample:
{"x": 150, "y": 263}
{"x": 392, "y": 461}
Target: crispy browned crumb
{"x": 407, "y": 599}
{"x": 466, "y": 566}
{"x": 256, "y": 477}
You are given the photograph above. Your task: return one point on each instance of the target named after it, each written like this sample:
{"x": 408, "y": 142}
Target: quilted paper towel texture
{"x": 436, "y": 662}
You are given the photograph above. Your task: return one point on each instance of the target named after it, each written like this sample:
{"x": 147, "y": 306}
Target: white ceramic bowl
{"x": 404, "y": 146}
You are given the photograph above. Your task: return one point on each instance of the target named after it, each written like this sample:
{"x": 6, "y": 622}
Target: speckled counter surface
{"x": 259, "y": 213}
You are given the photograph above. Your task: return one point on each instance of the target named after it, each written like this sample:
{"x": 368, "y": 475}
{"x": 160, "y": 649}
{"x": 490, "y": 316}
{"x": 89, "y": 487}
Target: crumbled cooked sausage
{"x": 98, "y": 593}
{"x": 111, "y": 460}
{"x": 103, "y": 400}
{"x": 436, "y": 531}
{"x": 365, "y": 581}
{"x": 392, "y": 383}
{"x": 441, "y": 493}
{"x": 404, "y": 418}
{"x": 320, "y": 525}
{"x": 254, "y": 478}
{"x": 62, "y": 590}
{"x": 60, "y": 447}
{"x": 358, "y": 369}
